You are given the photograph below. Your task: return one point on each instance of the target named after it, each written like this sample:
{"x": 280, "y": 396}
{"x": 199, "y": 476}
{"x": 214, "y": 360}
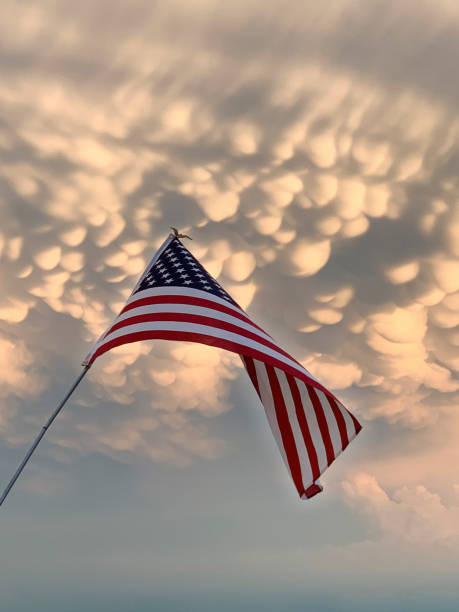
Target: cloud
{"x": 164, "y": 399}
{"x": 315, "y": 171}
{"x": 412, "y": 514}
{"x": 20, "y": 378}
{"x": 336, "y": 375}
{"x": 15, "y": 375}
{"x": 307, "y": 258}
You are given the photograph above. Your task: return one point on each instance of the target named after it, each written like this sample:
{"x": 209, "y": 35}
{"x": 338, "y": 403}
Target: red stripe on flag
{"x": 228, "y": 345}
{"x": 195, "y": 301}
{"x": 322, "y": 421}
{"x": 300, "y": 414}
{"x": 314, "y": 489}
{"x": 199, "y": 320}
{"x": 357, "y": 425}
{"x": 285, "y": 429}
{"x": 340, "y": 421}
{"x": 190, "y": 300}
{"x": 250, "y": 367}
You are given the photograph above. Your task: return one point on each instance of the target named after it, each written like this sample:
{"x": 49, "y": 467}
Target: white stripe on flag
{"x": 184, "y": 291}
{"x": 333, "y": 429}
{"x": 197, "y": 293}
{"x": 193, "y": 310}
{"x": 267, "y": 400}
{"x": 181, "y": 326}
{"x": 306, "y": 472}
{"x": 350, "y": 425}
{"x": 314, "y": 430}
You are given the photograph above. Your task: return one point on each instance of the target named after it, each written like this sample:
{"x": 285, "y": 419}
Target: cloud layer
{"x": 316, "y": 173}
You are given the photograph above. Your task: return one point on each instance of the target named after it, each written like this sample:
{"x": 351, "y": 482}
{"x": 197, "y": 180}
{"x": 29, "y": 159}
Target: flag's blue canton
{"x": 176, "y": 267}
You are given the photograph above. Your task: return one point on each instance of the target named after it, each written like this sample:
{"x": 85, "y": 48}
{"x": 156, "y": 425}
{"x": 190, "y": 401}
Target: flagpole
{"x": 41, "y": 434}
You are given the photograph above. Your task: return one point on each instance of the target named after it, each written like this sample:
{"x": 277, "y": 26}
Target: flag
{"x": 177, "y": 299}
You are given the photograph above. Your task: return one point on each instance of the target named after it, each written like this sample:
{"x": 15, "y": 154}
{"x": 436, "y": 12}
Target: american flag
{"x": 177, "y": 299}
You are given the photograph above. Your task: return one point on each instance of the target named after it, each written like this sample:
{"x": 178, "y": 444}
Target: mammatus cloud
{"x": 316, "y": 176}
{"x": 162, "y": 397}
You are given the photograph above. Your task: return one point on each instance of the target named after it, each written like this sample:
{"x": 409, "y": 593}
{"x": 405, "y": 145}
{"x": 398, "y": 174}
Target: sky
{"x": 311, "y": 151}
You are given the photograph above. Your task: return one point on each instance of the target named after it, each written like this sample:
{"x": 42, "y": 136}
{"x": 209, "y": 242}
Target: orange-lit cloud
{"x": 316, "y": 174}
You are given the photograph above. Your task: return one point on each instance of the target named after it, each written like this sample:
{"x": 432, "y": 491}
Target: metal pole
{"x": 41, "y": 434}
